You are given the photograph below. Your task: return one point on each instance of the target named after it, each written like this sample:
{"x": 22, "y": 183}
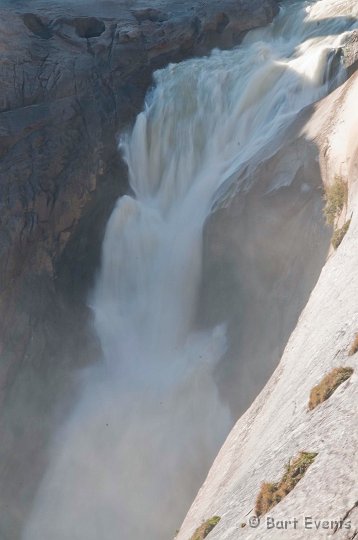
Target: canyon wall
{"x": 73, "y": 77}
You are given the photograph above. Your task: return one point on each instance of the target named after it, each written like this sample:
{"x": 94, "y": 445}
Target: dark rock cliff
{"x": 73, "y": 76}
{"x": 71, "y": 79}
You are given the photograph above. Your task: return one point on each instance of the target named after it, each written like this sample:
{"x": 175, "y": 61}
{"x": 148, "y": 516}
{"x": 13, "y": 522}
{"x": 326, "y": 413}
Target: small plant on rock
{"x": 335, "y": 197}
{"x": 354, "y": 346}
{"x": 205, "y": 528}
{"x": 339, "y": 234}
{"x": 328, "y": 385}
{"x": 272, "y": 493}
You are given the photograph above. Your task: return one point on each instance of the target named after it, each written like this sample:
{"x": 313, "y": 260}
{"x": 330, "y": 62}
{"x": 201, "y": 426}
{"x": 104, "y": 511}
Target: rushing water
{"x": 149, "y": 421}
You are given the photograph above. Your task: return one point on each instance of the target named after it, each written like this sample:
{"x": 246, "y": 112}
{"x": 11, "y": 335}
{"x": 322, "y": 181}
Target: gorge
{"x": 207, "y": 263}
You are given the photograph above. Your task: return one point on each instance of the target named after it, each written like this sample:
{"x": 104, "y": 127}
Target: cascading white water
{"x": 149, "y": 419}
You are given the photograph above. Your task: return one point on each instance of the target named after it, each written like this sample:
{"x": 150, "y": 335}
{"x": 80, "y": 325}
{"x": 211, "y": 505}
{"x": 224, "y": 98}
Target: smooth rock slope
{"x": 279, "y": 425}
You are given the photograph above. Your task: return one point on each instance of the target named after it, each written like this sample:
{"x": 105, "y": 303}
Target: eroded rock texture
{"x": 72, "y": 79}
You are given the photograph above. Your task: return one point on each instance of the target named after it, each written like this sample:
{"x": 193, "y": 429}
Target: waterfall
{"x": 149, "y": 419}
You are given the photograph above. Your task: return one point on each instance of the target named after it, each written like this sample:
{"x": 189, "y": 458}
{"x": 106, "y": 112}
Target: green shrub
{"x": 205, "y": 528}
{"x": 272, "y": 493}
{"x": 328, "y": 385}
{"x": 335, "y": 197}
{"x": 339, "y": 234}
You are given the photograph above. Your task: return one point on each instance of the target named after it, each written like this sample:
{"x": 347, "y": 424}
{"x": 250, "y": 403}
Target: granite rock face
{"x": 279, "y": 423}
{"x": 73, "y": 76}
{"x": 268, "y": 242}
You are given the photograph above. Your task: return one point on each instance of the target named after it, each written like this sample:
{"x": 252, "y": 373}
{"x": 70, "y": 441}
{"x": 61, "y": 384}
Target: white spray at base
{"x": 149, "y": 420}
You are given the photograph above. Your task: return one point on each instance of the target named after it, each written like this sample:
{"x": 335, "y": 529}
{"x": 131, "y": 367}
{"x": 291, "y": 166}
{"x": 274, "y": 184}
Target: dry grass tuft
{"x": 328, "y": 385}
{"x": 335, "y": 196}
{"x": 206, "y": 527}
{"x": 354, "y": 346}
{"x": 272, "y": 493}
